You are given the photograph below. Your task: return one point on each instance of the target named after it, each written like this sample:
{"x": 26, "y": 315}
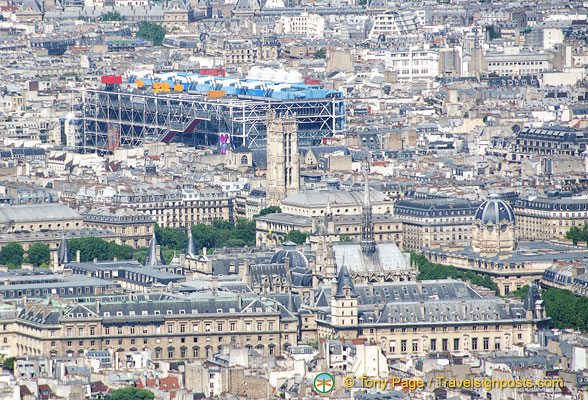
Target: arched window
{"x": 244, "y": 160}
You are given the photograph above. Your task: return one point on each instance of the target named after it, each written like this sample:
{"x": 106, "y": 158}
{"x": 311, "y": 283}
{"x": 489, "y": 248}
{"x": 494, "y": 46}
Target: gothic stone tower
{"x": 283, "y": 164}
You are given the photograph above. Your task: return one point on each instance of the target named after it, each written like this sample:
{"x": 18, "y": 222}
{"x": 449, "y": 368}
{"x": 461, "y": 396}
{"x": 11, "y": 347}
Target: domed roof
{"x": 494, "y": 211}
{"x": 288, "y": 250}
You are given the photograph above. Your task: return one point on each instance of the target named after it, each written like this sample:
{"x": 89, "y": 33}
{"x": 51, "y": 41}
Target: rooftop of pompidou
{"x": 203, "y": 110}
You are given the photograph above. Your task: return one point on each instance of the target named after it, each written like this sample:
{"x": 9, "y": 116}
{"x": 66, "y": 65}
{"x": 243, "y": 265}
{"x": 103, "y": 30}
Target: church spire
{"x": 63, "y": 256}
{"x": 152, "y": 258}
{"x": 190, "y": 246}
{"x": 368, "y": 243}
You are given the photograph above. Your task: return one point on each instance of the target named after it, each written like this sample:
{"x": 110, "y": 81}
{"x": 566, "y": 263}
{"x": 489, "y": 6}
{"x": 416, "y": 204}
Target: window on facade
{"x": 415, "y": 346}
{"x": 444, "y": 345}
{"x": 182, "y": 328}
{"x": 233, "y": 326}
{"x": 455, "y": 344}
{"x": 403, "y": 346}
{"x": 486, "y": 343}
{"x": 170, "y": 328}
{"x": 475, "y": 344}
{"x": 433, "y": 344}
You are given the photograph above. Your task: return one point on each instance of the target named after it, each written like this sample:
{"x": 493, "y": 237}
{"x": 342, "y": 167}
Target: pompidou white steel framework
{"x": 118, "y": 119}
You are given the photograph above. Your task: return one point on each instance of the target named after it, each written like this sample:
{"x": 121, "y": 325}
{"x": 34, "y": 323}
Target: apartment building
{"x": 518, "y": 63}
{"x": 394, "y": 24}
{"x": 307, "y": 24}
{"x": 430, "y": 223}
{"x": 132, "y": 227}
{"x": 179, "y": 209}
{"x": 552, "y": 140}
{"x": 413, "y": 63}
{"x": 542, "y": 218}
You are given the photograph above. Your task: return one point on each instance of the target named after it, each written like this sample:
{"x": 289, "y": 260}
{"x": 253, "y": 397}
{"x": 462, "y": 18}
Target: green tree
{"x": 112, "y": 16}
{"x": 39, "y": 254}
{"x": 296, "y": 236}
{"x": 12, "y": 255}
{"x": 345, "y": 238}
{"x": 320, "y": 53}
{"x": 428, "y": 270}
{"x": 521, "y": 292}
{"x": 565, "y": 309}
{"x": 171, "y": 238}
{"x": 153, "y": 32}
{"x": 575, "y": 234}
{"x": 9, "y": 363}
{"x": 132, "y": 393}
{"x": 269, "y": 210}
{"x": 492, "y": 34}
{"x": 93, "y": 247}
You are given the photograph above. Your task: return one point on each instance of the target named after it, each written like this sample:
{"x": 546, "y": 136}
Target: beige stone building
{"x": 495, "y": 250}
{"x": 543, "y": 218}
{"x": 417, "y": 318}
{"x": 24, "y": 218}
{"x": 179, "y": 209}
{"x": 313, "y": 203}
{"x": 271, "y": 229}
{"x": 430, "y": 223}
{"x": 173, "y": 329}
{"x": 132, "y": 228}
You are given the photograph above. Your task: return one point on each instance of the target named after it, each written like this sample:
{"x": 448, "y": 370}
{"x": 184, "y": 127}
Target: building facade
{"x": 544, "y": 218}
{"x": 417, "y": 318}
{"x": 181, "y": 209}
{"x": 429, "y": 223}
{"x": 174, "y": 329}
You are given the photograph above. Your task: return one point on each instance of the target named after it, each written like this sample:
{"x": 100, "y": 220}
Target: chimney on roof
{"x": 78, "y": 256}
{"x": 214, "y": 285}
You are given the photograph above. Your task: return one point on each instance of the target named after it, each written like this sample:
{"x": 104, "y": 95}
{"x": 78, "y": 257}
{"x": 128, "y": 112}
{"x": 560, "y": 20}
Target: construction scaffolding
{"x": 118, "y": 119}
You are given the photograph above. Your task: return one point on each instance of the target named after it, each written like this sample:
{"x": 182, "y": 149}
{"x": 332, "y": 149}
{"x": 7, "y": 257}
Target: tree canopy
{"x": 175, "y": 239}
{"x": 12, "y": 255}
{"x": 112, "y": 16}
{"x": 224, "y": 234}
{"x": 296, "y": 236}
{"x": 320, "y": 53}
{"x": 8, "y": 363}
{"x": 576, "y": 234}
{"x": 269, "y": 210}
{"x": 93, "y": 247}
{"x": 566, "y": 309}
{"x": 39, "y": 254}
{"x": 132, "y": 393}
{"x": 153, "y": 32}
{"x": 429, "y": 270}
